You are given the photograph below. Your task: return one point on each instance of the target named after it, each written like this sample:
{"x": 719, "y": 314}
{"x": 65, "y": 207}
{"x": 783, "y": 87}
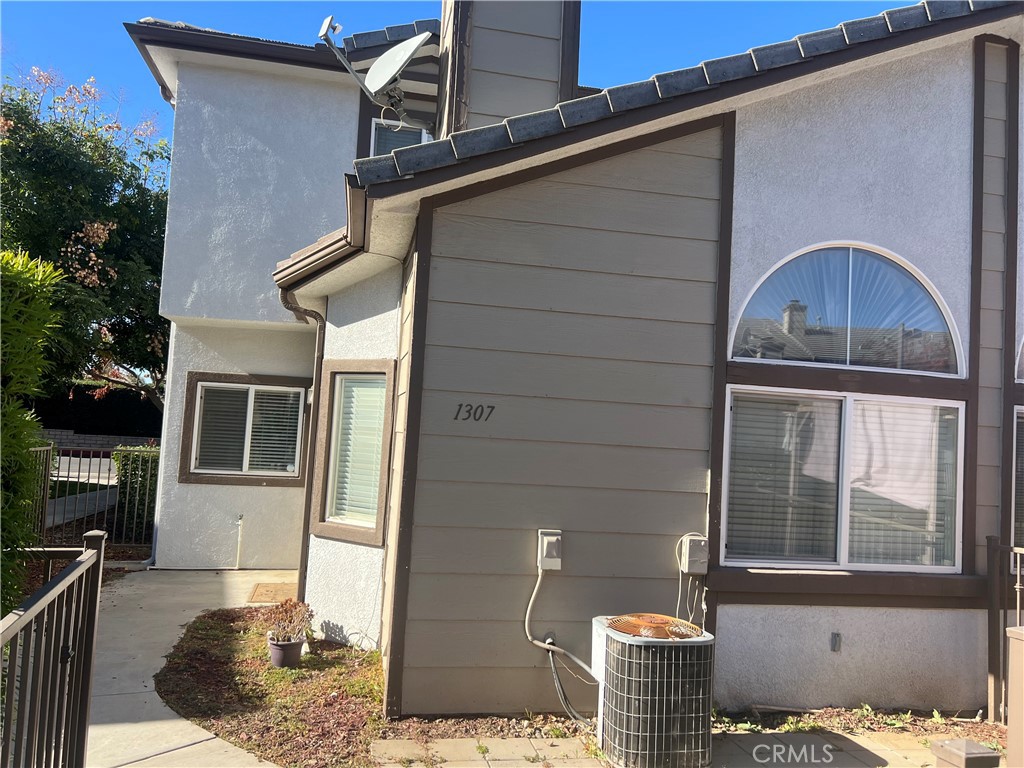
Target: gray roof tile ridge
{"x": 661, "y": 87}
{"x": 388, "y": 35}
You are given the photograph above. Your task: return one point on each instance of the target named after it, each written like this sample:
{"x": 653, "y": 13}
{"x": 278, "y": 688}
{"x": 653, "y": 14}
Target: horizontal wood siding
{"x": 578, "y": 311}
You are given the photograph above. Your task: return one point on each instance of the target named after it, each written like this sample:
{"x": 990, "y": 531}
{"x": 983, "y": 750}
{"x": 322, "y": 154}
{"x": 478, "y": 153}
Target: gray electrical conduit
{"x": 549, "y": 647}
{"x": 314, "y": 407}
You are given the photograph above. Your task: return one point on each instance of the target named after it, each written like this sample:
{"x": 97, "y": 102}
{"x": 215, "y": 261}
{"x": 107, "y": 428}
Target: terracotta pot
{"x": 286, "y": 654}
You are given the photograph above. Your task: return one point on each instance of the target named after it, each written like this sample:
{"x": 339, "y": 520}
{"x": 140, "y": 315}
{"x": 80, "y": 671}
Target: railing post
{"x": 94, "y": 540}
{"x": 995, "y": 640}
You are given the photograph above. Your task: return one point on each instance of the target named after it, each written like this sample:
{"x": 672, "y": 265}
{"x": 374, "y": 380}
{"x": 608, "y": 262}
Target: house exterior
{"x": 773, "y": 299}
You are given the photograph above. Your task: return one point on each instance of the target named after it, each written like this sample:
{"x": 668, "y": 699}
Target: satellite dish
{"x": 382, "y": 83}
{"x": 384, "y": 74}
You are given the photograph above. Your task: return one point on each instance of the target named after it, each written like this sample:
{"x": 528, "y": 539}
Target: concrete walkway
{"x": 141, "y": 617}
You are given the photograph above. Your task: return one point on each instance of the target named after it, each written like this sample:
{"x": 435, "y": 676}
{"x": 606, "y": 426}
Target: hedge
{"x": 119, "y": 412}
{"x": 26, "y": 317}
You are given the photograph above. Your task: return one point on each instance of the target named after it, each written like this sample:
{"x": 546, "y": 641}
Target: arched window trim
{"x": 961, "y": 360}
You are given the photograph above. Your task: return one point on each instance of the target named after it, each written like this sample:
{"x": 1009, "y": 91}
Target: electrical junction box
{"x": 694, "y": 560}
{"x": 549, "y": 549}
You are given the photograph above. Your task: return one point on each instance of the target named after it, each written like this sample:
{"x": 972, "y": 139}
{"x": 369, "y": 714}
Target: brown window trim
{"x": 764, "y": 586}
{"x": 192, "y": 382}
{"x": 318, "y": 526}
{"x": 897, "y": 383}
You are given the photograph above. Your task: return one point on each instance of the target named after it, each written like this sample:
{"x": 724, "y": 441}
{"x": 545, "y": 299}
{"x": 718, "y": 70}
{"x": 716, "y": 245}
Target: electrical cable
{"x": 562, "y": 697}
{"x": 549, "y": 647}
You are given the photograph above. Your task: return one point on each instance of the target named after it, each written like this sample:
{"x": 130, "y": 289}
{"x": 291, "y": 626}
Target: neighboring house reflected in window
{"x": 821, "y": 476}
{"x": 846, "y": 306}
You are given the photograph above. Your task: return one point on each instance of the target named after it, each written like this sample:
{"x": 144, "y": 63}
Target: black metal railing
{"x": 90, "y": 489}
{"x": 1005, "y": 609}
{"x": 48, "y": 647}
{"x": 42, "y": 459}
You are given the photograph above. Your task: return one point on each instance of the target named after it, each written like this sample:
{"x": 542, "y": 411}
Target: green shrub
{"x": 26, "y": 317}
{"x": 136, "y": 490}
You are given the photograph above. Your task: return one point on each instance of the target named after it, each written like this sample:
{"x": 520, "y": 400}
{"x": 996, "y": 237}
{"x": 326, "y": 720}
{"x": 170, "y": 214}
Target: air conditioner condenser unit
{"x": 655, "y": 674}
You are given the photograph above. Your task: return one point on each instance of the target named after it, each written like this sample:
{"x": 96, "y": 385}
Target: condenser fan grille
{"x": 654, "y": 625}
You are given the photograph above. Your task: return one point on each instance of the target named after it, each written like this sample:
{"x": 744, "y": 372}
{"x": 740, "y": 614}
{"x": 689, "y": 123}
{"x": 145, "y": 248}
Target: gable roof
{"x": 856, "y": 39}
{"x": 362, "y": 50}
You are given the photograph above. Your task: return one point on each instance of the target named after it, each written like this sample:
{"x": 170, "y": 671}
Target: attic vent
{"x": 654, "y": 625}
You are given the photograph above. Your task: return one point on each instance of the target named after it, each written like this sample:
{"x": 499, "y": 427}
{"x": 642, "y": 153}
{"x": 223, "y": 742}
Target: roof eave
{"x": 331, "y": 250}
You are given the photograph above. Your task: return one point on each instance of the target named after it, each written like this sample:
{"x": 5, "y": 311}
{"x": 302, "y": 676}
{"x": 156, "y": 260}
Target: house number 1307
{"x": 467, "y": 411}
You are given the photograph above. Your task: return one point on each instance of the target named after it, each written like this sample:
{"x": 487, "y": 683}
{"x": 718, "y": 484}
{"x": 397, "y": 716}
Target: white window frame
{"x": 378, "y": 123}
{"x": 961, "y": 360}
{"x": 842, "y": 562}
{"x": 251, "y": 388}
{"x": 332, "y": 465}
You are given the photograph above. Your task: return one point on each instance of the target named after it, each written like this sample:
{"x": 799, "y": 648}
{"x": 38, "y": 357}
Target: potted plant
{"x": 291, "y": 622}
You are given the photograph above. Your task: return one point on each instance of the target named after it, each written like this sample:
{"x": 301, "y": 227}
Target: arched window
{"x": 828, "y": 470}
{"x": 846, "y": 306}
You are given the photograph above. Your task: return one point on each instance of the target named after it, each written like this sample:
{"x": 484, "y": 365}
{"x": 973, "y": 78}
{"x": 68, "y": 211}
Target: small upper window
{"x": 846, "y": 306}
{"x": 389, "y": 136}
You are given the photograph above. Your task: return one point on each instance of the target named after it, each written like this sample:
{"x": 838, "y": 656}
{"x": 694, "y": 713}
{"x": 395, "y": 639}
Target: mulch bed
{"x": 328, "y": 711}
{"x": 323, "y": 713}
{"x": 865, "y": 720}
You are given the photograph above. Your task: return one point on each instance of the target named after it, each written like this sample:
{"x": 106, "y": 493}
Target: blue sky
{"x": 620, "y": 41}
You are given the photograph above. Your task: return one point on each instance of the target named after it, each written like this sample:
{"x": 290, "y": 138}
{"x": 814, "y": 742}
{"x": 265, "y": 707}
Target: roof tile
{"x": 633, "y": 95}
{"x": 435, "y": 154}
{"x": 729, "y": 68}
{"x": 981, "y": 5}
{"x": 911, "y": 17}
{"x": 366, "y": 39}
{"x": 862, "y": 30}
{"x": 428, "y": 25}
{"x": 400, "y": 32}
{"x": 681, "y": 81}
{"x": 776, "y": 55}
{"x": 946, "y": 9}
{"x": 534, "y": 125}
{"x": 823, "y": 41}
{"x": 373, "y": 170}
{"x": 480, "y": 141}
{"x": 585, "y": 110}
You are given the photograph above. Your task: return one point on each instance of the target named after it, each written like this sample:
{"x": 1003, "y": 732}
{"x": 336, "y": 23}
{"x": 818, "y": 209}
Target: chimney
{"x": 501, "y": 58}
{"x": 794, "y": 318}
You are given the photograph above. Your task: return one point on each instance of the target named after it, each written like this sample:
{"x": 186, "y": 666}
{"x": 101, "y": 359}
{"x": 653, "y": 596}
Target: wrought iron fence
{"x": 42, "y": 458}
{"x": 48, "y": 647}
{"x": 88, "y": 489}
{"x": 1005, "y": 609}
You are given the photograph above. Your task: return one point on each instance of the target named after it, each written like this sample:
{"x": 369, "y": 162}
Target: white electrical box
{"x": 549, "y": 549}
{"x": 694, "y": 560}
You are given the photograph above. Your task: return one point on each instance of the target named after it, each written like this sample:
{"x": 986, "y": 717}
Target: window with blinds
{"x": 357, "y": 448}
{"x": 388, "y": 136}
{"x": 243, "y": 429}
{"x": 847, "y": 480}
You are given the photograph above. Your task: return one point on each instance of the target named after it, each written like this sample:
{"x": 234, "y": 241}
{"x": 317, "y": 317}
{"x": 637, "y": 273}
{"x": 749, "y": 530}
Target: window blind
{"x": 358, "y": 447}
{"x": 274, "y": 436}
{"x": 386, "y": 139}
{"x": 783, "y": 479}
{"x": 903, "y": 484}
{"x": 222, "y": 419}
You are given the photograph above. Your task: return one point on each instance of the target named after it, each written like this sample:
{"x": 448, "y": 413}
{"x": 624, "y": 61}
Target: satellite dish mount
{"x": 382, "y": 84}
